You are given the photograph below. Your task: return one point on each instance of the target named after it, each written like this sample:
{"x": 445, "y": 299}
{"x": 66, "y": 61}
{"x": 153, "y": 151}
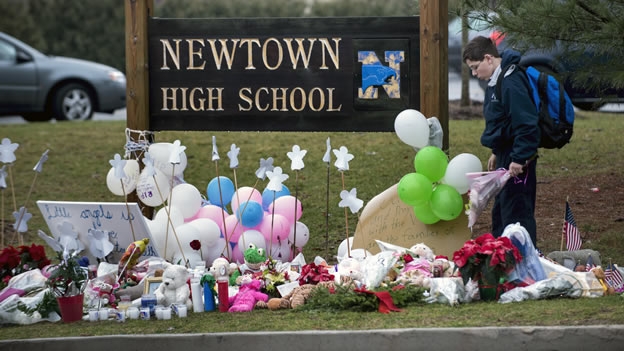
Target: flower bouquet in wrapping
{"x": 483, "y": 187}
{"x": 487, "y": 260}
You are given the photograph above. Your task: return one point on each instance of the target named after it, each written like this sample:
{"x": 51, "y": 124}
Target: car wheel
{"x": 72, "y": 102}
{"x": 36, "y": 116}
{"x": 589, "y": 106}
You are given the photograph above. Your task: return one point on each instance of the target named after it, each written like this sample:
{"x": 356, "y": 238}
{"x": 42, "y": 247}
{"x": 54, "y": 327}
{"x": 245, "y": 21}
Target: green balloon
{"x": 446, "y": 202}
{"x": 431, "y": 161}
{"x": 425, "y": 214}
{"x": 414, "y": 189}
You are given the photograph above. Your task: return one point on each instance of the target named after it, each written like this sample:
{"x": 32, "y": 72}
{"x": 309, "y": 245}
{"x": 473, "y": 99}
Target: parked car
{"x": 564, "y": 66}
{"x": 40, "y": 87}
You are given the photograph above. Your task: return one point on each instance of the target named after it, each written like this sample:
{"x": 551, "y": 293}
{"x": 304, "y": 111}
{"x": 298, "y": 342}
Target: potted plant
{"x": 487, "y": 260}
{"x": 67, "y": 281}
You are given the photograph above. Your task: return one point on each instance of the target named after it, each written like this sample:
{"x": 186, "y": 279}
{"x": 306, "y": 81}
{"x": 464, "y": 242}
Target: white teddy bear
{"x": 174, "y": 288}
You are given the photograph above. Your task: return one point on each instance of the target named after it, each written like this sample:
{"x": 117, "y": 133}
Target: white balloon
{"x": 161, "y": 229}
{"x": 251, "y": 236}
{"x": 186, "y": 198}
{"x": 280, "y": 252}
{"x": 303, "y": 235}
{"x": 457, "y": 168}
{"x": 412, "y": 128}
{"x": 180, "y": 239}
{"x": 193, "y": 258}
{"x": 342, "y": 248}
{"x": 161, "y": 153}
{"x": 132, "y": 171}
{"x": 217, "y": 250}
{"x": 209, "y": 232}
{"x": 153, "y": 190}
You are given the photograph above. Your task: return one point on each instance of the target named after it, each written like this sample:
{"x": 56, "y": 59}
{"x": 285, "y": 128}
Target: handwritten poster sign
{"x": 387, "y": 218}
{"x": 111, "y": 217}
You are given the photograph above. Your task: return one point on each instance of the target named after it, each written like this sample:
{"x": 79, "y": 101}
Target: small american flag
{"x": 614, "y": 277}
{"x": 573, "y": 237}
{"x": 590, "y": 263}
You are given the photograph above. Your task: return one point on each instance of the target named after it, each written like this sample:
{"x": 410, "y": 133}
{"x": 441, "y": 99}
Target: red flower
{"x": 9, "y": 258}
{"x": 196, "y": 245}
{"x": 313, "y": 274}
{"x": 407, "y": 258}
{"x": 486, "y": 258}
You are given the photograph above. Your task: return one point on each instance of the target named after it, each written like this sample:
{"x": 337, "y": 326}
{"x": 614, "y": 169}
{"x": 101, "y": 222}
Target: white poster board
{"x": 112, "y": 217}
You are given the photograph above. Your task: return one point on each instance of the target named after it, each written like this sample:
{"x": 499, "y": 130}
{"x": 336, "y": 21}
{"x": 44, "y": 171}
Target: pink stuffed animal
{"x": 247, "y": 296}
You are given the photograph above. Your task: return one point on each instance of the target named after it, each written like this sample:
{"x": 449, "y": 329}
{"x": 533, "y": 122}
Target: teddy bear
{"x": 423, "y": 251}
{"x": 221, "y": 266}
{"x": 297, "y": 297}
{"x": 248, "y": 295}
{"x": 602, "y": 279}
{"x": 174, "y": 288}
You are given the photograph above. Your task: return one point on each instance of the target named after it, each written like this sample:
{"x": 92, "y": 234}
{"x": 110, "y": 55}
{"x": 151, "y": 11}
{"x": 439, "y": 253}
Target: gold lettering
{"x": 265, "y": 56}
{"x": 171, "y": 98}
{"x": 283, "y": 98}
{"x": 294, "y": 58}
{"x": 303, "y": 101}
{"x": 193, "y": 100}
{"x": 184, "y": 108}
{"x": 321, "y": 99}
{"x": 175, "y": 56}
{"x": 218, "y": 98}
{"x": 257, "y": 101}
{"x": 334, "y": 54}
{"x": 249, "y": 43}
{"x": 229, "y": 56}
{"x": 330, "y": 107}
{"x": 192, "y": 53}
{"x": 245, "y": 98}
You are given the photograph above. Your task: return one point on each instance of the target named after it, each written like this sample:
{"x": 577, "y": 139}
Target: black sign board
{"x": 282, "y": 74}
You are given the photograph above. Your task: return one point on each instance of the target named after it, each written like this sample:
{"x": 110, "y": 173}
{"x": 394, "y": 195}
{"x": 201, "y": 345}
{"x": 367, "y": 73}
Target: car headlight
{"x": 117, "y": 76}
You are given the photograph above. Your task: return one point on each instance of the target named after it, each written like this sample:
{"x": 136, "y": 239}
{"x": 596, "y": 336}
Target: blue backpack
{"x": 555, "y": 109}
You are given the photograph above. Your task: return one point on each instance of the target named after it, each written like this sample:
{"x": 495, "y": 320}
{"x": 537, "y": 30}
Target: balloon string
{"x": 327, "y": 215}
{"x": 127, "y": 209}
{"x": 346, "y": 219}
{"x": 227, "y": 247}
{"x": 294, "y": 245}
{"x": 170, "y": 223}
{"x": 241, "y": 214}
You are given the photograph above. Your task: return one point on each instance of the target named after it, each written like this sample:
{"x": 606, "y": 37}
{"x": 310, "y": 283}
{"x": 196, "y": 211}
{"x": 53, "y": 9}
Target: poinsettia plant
{"x": 69, "y": 277}
{"x": 486, "y": 258}
{"x": 14, "y": 261}
{"x": 312, "y": 273}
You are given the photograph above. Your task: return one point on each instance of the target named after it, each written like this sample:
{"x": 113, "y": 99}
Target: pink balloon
{"x": 244, "y": 194}
{"x": 233, "y": 228}
{"x": 213, "y": 212}
{"x": 285, "y": 206}
{"x": 237, "y": 255}
{"x": 280, "y": 225}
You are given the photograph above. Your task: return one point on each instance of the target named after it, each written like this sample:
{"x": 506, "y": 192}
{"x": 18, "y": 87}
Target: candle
{"x": 103, "y": 313}
{"x": 159, "y": 312}
{"x": 198, "y": 304}
{"x": 120, "y": 315}
{"x": 223, "y": 293}
{"x": 133, "y": 312}
{"x": 144, "y": 313}
{"x": 180, "y": 310}
{"x": 93, "y": 315}
{"x": 166, "y": 313}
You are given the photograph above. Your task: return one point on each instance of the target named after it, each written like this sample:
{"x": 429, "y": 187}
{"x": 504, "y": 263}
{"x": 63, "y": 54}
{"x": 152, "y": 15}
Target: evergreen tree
{"x": 589, "y": 30}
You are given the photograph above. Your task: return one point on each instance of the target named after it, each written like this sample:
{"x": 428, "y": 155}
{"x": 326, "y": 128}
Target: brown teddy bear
{"x": 602, "y": 279}
{"x": 295, "y": 298}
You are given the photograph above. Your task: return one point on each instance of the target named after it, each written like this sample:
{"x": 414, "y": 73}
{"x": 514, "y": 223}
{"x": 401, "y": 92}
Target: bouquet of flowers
{"x": 486, "y": 259}
{"x": 14, "y": 261}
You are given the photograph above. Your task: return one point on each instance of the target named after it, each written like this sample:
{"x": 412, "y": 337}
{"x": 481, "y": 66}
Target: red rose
{"x": 196, "y": 245}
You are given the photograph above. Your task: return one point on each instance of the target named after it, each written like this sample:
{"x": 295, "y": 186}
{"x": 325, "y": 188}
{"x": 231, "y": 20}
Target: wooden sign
{"x": 282, "y": 74}
{"x": 111, "y": 217}
{"x": 385, "y": 217}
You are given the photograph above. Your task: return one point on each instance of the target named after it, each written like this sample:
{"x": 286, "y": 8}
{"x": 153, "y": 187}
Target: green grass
{"x": 78, "y": 164}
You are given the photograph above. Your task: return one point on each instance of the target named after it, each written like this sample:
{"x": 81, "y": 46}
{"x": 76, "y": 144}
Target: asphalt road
{"x": 476, "y": 93}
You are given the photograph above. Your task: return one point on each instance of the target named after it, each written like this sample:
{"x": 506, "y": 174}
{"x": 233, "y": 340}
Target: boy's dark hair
{"x": 478, "y": 47}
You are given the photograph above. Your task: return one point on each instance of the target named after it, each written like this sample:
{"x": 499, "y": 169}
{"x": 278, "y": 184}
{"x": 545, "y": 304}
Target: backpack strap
{"x": 499, "y": 81}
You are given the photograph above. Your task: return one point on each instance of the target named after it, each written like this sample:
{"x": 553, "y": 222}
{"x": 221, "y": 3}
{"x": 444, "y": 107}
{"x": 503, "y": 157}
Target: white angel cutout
{"x": 276, "y": 178}
{"x": 349, "y": 199}
{"x": 99, "y": 243}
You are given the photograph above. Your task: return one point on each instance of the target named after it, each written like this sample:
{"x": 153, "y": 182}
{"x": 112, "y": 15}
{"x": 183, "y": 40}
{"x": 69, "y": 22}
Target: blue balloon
{"x": 223, "y": 196}
{"x": 267, "y": 196}
{"x": 250, "y": 213}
